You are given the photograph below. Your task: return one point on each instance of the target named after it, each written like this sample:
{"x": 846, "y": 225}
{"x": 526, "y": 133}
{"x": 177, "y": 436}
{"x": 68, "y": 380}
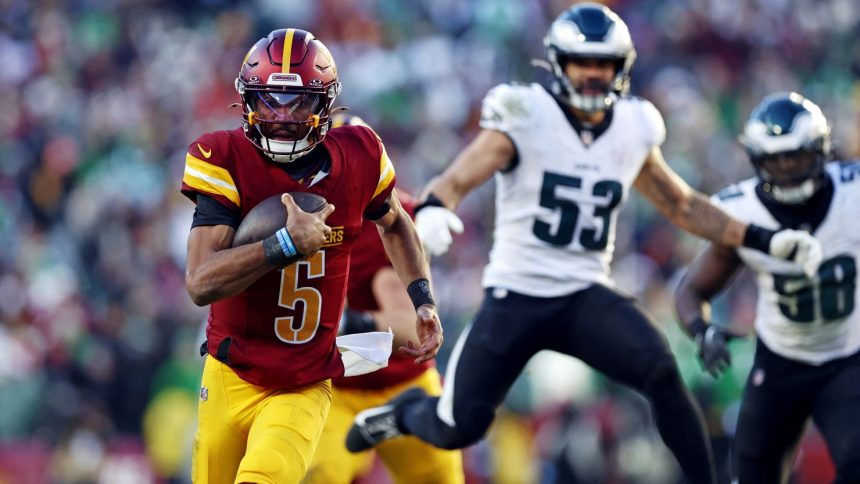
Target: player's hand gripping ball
{"x": 270, "y": 215}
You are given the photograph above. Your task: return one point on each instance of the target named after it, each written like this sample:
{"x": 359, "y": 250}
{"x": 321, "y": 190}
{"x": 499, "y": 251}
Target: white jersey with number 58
{"x": 811, "y": 320}
{"x": 556, "y": 207}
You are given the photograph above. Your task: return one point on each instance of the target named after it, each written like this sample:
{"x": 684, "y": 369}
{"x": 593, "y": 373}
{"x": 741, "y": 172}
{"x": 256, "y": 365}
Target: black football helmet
{"x": 787, "y": 139}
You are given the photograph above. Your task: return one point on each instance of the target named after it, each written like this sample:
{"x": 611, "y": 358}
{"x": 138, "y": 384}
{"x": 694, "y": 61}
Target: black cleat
{"x": 378, "y": 424}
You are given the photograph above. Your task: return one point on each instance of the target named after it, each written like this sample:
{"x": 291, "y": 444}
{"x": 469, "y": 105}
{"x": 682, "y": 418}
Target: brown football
{"x": 268, "y": 216}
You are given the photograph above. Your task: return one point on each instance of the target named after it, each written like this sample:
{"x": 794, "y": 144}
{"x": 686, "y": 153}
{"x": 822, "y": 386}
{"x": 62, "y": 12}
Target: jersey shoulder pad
{"x": 732, "y": 191}
{"x": 844, "y": 172}
{"x": 359, "y": 140}
{"x": 209, "y": 170}
{"x": 736, "y": 195}
{"x": 369, "y": 150}
{"x": 649, "y": 118}
{"x": 506, "y": 107}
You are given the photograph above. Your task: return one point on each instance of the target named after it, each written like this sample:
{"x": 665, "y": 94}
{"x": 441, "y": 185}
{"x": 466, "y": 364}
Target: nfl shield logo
{"x": 204, "y": 394}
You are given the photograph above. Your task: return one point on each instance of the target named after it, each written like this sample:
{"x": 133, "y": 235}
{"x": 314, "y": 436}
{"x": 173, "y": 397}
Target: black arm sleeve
{"x": 210, "y": 212}
{"x": 378, "y": 213}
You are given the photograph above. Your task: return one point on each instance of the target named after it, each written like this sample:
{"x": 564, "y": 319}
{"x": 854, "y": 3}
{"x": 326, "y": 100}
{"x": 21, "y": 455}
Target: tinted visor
{"x": 286, "y": 115}
{"x": 287, "y": 106}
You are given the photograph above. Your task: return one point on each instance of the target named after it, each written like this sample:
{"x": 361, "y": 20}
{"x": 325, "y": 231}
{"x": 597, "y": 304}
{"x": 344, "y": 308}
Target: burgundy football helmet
{"x": 288, "y": 83}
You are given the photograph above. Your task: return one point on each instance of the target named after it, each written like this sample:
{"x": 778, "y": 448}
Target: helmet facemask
{"x": 590, "y": 31}
{"x": 582, "y": 95}
{"x": 287, "y": 124}
{"x": 288, "y": 84}
{"x": 788, "y": 141}
{"x": 791, "y": 178}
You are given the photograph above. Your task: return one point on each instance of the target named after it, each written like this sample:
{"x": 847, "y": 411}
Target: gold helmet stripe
{"x": 288, "y": 49}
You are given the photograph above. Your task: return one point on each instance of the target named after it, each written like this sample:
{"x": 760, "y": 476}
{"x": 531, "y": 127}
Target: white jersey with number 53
{"x": 811, "y": 320}
{"x": 556, "y": 208}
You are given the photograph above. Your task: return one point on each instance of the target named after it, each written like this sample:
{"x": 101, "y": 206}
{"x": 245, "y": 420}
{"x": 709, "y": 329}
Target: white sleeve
{"x": 655, "y": 128}
{"x": 505, "y": 108}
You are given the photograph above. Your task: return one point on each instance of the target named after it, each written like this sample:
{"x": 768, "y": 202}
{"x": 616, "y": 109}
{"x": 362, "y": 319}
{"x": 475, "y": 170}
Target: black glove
{"x": 713, "y": 347}
{"x": 354, "y": 322}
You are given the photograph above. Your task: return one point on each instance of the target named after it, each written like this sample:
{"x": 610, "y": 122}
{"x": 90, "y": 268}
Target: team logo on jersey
{"x": 515, "y": 106}
{"x": 206, "y": 153}
{"x": 491, "y": 116}
{"x": 334, "y": 238}
{"x": 204, "y": 394}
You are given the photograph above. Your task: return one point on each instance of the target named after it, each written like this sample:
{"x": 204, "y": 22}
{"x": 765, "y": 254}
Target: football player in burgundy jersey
{"x": 275, "y": 304}
{"x": 377, "y": 300}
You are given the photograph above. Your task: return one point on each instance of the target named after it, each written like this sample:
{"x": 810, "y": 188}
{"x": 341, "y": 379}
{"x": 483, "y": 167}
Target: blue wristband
{"x": 286, "y": 241}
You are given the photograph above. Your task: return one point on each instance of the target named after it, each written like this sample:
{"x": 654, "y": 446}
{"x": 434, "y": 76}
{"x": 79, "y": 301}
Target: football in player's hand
{"x": 270, "y": 215}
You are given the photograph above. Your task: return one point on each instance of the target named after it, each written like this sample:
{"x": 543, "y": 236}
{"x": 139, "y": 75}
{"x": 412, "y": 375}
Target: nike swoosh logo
{"x": 207, "y": 154}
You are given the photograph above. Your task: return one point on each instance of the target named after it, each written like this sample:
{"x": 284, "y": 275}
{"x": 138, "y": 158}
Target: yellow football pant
{"x": 246, "y": 433}
{"x": 408, "y": 459}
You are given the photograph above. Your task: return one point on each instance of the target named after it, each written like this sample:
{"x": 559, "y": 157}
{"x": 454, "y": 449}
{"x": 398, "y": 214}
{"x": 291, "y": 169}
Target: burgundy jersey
{"x": 368, "y": 257}
{"x": 280, "y": 332}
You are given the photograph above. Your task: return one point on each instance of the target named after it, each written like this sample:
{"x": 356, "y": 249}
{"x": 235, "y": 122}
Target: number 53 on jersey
{"x": 590, "y": 238}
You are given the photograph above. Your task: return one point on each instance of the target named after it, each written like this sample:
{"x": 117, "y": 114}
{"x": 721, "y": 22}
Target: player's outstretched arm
{"x": 489, "y": 152}
{"x": 693, "y": 212}
{"x": 214, "y": 271}
{"x": 404, "y": 249}
{"x": 709, "y": 274}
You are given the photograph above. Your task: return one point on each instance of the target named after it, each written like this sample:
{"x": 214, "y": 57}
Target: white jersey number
{"x": 837, "y": 278}
{"x": 588, "y": 237}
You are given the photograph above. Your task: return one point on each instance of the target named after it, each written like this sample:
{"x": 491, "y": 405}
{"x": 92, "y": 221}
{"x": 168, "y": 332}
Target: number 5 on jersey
{"x": 589, "y": 238}
{"x": 302, "y": 327}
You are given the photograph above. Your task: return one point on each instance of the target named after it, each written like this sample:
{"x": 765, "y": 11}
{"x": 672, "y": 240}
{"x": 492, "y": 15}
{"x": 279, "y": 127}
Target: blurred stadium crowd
{"x": 99, "y": 369}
